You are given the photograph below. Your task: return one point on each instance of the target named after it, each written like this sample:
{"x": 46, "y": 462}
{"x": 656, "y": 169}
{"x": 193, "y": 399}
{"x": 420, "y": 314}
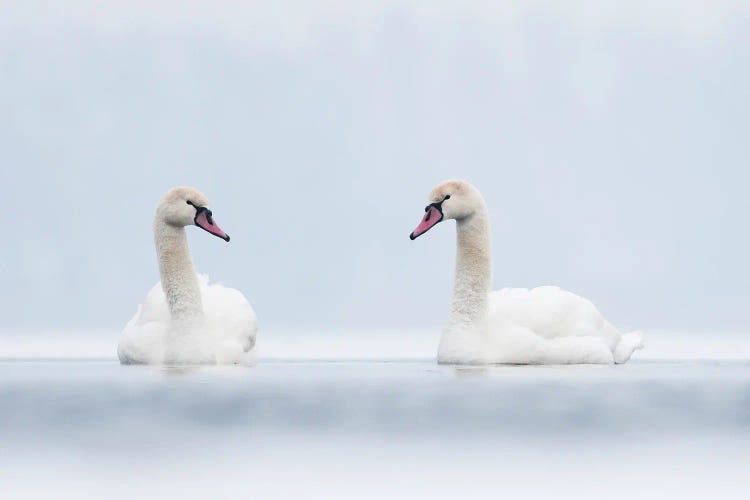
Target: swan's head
{"x": 449, "y": 200}
{"x": 186, "y": 206}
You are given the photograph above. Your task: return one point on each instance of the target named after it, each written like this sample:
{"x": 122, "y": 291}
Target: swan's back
{"x": 550, "y": 313}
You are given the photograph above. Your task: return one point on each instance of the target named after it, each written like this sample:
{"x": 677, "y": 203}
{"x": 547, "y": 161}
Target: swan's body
{"x": 184, "y": 319}
{"x": 225, "y": 334}
{"x": 544, "y": 325}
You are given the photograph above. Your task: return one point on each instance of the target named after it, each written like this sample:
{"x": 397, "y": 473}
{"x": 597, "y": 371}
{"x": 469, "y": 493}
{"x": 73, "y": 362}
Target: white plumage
{"x": 225, "y": 335}
{"x": 544, "y": 325}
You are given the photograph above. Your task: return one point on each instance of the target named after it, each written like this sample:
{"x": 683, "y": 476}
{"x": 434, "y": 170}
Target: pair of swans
{"x": 184, "y": 320}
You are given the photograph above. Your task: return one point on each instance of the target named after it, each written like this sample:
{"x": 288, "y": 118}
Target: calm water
{"x": 327, "y": 425}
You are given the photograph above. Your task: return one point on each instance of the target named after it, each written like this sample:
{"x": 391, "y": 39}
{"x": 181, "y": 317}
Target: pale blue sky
{"x": 610, "y": 140}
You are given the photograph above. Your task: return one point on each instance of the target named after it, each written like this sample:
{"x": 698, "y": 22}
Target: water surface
{"x": 341, "y": 423}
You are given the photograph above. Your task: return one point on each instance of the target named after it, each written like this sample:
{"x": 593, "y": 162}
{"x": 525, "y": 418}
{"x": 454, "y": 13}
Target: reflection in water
{"x": 180, "y": 369}
{"x": 470, "y": 371}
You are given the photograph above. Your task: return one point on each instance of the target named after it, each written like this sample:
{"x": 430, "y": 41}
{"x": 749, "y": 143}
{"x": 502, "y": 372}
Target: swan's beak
{"x": 204, "y": 220}
{"x": 432, "y": 216}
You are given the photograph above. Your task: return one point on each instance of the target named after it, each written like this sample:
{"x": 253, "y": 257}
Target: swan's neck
{"x": 178, "y": 279}
{"x": 473, "y": 270}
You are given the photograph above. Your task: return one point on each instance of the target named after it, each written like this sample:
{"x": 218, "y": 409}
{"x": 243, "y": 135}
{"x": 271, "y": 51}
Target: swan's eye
{"x": 447, "y": 197}
{"x": 190, "y": 203}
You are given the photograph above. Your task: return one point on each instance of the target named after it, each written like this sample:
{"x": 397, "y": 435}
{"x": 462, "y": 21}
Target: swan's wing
{"x": 143, "y": 339}
{"x": 229, "y": 315}
{"x": 154, "y": 307}
{"x": 515, "y": 344}
{"x": 550, "y": 313}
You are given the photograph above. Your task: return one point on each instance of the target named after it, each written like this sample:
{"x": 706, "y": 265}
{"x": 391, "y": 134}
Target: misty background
{"x": 610, "y": 140}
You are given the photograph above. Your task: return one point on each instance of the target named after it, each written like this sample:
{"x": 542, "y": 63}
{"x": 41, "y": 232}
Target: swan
{"x": 184, "y": 319}
{"x": 544, "y": 325}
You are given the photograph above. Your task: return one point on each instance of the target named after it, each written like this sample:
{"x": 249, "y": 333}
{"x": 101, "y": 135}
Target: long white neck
{"x": 178, "y": 279}
{"x": 473, "y": 277}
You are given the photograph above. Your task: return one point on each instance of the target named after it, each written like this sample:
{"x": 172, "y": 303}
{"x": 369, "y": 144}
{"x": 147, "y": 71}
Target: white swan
{"x": 183, "y": 319}
{"x": 544, "y": 325}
